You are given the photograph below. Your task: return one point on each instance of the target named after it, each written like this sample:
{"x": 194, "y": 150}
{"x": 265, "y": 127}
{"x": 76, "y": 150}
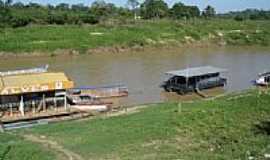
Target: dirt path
{"x": 63, "y": 153}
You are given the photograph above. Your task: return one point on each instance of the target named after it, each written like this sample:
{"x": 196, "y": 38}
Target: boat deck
{"x": 6, "y": 118}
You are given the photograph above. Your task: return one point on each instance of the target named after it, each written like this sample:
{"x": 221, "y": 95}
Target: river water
{"x": 143, "y": 71}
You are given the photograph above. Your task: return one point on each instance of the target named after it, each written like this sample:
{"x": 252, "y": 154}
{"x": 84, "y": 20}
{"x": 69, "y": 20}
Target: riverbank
{"x": 230, "y": 127}
{"x": 73, "y": 40}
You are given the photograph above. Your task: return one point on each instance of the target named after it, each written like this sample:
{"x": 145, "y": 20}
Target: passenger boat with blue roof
{"x": 194, "y": 79}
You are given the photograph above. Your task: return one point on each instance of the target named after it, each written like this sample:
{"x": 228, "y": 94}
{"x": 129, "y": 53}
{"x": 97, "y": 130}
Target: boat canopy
{"x": 34, "y": 82}
{"x": 196, "y": 71}
{"x": 264, "y": 74}
{"x": 42, "y": 69}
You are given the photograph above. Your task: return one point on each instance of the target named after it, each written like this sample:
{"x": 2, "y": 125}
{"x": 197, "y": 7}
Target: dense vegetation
{"x": 232, "y": 127}
{"x": 251, "y": 14}
{"x": 49, "y": 39}
{"x": 19, "y": 14}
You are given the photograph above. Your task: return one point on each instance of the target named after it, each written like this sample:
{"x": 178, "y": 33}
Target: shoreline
{"x": 122, "y": 49}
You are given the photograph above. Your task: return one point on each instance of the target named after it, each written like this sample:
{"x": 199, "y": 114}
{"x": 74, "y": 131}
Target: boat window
{"x": 267, "y": 79}
{"x": 181, "y": 80}
{"x": 85, "y": 98}
{"x": 192, "y": 81}
{"x": 173, "y": 80}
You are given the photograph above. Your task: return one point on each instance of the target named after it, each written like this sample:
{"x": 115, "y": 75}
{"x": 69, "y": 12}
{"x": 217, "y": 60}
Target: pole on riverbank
{"x": 179, "y": 107}
{"x": 1, "y": 127}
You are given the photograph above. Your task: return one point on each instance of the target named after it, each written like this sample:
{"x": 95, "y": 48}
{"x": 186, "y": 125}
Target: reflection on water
{"x": 143, "y": 71}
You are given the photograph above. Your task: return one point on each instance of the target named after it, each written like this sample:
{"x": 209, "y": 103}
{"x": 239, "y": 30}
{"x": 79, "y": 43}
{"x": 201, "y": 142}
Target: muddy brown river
{"x": 143, "y": 71}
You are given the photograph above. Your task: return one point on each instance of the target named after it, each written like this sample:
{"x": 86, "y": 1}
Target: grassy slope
{"x": 15, "y": 148}
{"x": 219, "y": 129}
{"x": 50, "y": 38}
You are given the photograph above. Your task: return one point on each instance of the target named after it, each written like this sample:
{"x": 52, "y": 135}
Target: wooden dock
{"x": 10, "y": 123}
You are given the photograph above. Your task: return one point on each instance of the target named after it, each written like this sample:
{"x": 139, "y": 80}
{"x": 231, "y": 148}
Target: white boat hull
{"x": 261, "y": 81}
{"x": 98, "y": 108}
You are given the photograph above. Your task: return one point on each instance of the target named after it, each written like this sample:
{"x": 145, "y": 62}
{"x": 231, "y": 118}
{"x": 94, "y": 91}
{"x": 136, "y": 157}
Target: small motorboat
{"x": 109, "y": 91}
{"x": 263, "y": 79}
{"x": 88, "y": 103}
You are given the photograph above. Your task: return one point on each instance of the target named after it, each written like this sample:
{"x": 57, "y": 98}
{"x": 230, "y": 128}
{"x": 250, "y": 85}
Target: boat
{"x": 88, "y": 103}
{"x": 109, "y": 91}
{"x": 194, "y": 79}
{"x": 263, "y": 79}
{"x": 26, "y": 92}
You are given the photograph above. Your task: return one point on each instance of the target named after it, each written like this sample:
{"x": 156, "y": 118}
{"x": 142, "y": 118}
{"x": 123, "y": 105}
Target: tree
{"x": 239, "y": 18}
{"x": 5, "y": 14}
{"x": 125, "y": 12}
{"x": 209, "y": 11}
{"x": 50, "y": 7}
{"x": 194, "y": 11}
{"x": 133, "y": 5}
{"x": 154, "y": 9}
{"x": 178, "y": 11}
{"x": 18, "y": 5}
{"x": 62, "y": 6}
{"x": 19, "y": 21}
{"x": 101, "y": 10}
{"x": 34, "y": 5}
{"x": 8, "y": 3}
{"x": 79, "y": 7}
{"x": 181, "y": 11}
{"x": 1, "y": 4}
{"x": 57, "y": 18}
{"x": 90, "y": 19}
{"x": 98, "y": 4}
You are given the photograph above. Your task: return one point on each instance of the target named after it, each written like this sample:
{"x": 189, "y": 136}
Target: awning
{"x": 36, "y": 82}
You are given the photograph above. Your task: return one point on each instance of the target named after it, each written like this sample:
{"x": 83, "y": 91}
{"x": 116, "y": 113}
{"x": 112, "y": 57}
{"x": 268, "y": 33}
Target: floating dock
{"x": 43, "y": 118}
{"x": 31, "y": 91}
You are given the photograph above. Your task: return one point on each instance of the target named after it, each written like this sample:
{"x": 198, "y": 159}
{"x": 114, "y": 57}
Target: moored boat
{"x": 194, "y": 79}
{"x": 263, "y": 79}
{"x": 88, "y": 103}
{"x": 108, "y": 91}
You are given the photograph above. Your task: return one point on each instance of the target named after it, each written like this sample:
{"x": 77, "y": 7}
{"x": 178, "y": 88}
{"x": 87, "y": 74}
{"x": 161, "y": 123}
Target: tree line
{"x": 248, "y": 14}
{"x": 19, "y": 14}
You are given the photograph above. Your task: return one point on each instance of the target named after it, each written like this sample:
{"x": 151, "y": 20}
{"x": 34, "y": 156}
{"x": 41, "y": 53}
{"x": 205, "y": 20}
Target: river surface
{"x": 143, "y": 71}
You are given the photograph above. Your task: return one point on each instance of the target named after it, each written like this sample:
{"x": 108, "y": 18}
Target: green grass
{"x": 51, "y": 38}
{"x": 220, "y": 129}
{"x": 15, "y": 148}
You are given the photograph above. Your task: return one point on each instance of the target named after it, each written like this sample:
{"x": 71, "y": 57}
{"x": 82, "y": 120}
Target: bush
{"x": 239, "y": 18}
{"x": 20, "y": 21}
{"x": 57, "y": 19}
{"x": 90, "y": 19}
